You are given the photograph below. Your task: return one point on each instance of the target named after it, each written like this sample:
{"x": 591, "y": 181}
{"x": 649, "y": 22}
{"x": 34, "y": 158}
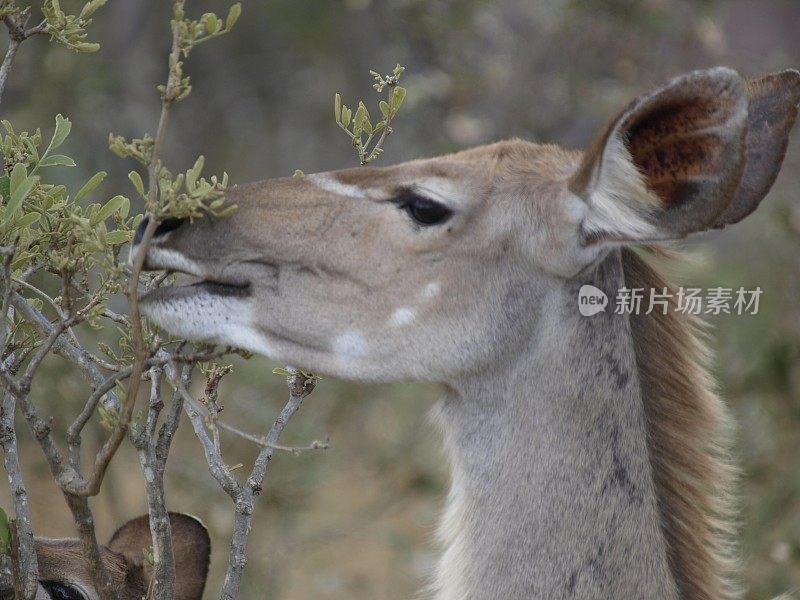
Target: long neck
{"x": 552, "y": 489}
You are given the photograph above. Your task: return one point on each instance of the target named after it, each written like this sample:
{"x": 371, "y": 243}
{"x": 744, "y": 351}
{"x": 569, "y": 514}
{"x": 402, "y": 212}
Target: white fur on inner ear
{"x": 619, "y": 202}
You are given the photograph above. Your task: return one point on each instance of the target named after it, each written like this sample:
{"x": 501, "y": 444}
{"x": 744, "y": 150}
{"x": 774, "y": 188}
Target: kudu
{"x": 589, "y": 457}
{"x": 63, "y": 573}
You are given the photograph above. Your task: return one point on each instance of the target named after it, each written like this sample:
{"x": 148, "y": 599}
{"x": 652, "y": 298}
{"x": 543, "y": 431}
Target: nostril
{"x": 163, "y": 228}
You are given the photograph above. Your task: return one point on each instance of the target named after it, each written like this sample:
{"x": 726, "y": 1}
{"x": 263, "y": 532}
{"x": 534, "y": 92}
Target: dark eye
{"x": 62, "y": 591}
{"x": 423, "y": 210}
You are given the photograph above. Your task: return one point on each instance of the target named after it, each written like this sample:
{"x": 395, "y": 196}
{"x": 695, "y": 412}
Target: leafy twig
{"x": 362, "y": 126}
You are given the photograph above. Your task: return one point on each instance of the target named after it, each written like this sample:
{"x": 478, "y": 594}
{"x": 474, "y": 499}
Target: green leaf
{"x": 118, "y": 236}
{"x": 136, "y": 180}
{"x": 31, "y": 148}
{"x": 233, "y": 15}
{"x": 398, "y": 95}
{"x": 90, "y": 7}
{"x": 5, "y": 187}
{"x": 362, "y": 108}
{"x": 21, "y": 185}
{"x": 346, "y": 115}
{"x": 197, "y": 168}
{"x": 384, "y": 106}
{"x": 86, "y": 47}
{"x": 125, "y": 209}
{"x": 57, "y": 160}
{"x": 337, "y": 107}
{"x": 298, "y": 173}
{"x": 87, "y": 188}
{"x": 18, "y": 174}
{"x": 361, "y": 116}
{"x": 63, "y": 127}
{"x": 28, "y": 220}
{"x": 212, "y": 22}
{"x": 109, "y": 208}
{"x": 5, "y": 533}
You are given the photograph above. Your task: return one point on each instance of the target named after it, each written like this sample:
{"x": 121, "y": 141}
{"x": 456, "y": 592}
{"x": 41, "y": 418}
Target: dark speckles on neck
{"x": 618, "y": 374}
{"x": 618, "y": 477}
{"x": 591, "y": 571}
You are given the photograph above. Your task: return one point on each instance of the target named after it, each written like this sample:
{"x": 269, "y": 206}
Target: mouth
{"x": 213, "y": 287}
{"x": 190, "y": 279}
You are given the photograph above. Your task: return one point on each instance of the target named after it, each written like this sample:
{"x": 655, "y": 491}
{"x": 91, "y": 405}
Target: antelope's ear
{"x": 701, "y": 152}
{"x": 772, "y": 109}
{"x": 191, "y": 548}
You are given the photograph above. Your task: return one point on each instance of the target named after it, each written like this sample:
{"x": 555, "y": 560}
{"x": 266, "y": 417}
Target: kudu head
{"x": 438, "y": 268}
{"x": 64, "y": 575}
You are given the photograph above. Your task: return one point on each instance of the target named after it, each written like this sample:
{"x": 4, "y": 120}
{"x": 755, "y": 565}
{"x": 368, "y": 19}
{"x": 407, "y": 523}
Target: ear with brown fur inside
{"x": 772, "y": 110}
{"x": 191, "y": 547}
{"x": 669, "y": 164}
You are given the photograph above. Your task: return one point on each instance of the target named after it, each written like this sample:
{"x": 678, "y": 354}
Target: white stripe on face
{"x": 326, "y": 182}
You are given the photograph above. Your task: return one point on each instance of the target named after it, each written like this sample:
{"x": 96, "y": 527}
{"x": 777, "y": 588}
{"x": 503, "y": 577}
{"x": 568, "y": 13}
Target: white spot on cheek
{"x": 330, "y": 184}
{"x": 431, "y": 290}
{"x": 350, "y": 344}
{"x": 402, "y": 316}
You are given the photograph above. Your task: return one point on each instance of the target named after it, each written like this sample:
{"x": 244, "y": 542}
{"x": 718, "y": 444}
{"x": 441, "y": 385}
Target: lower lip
{"x": 214, "y": 288}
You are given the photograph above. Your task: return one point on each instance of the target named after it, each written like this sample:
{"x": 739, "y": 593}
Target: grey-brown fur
{"x": 61, "y": 561}
{"x": 585, "y": 451}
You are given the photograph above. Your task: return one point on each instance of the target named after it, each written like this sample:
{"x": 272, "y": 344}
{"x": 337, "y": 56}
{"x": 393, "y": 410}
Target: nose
{"x": 163, "y": 228}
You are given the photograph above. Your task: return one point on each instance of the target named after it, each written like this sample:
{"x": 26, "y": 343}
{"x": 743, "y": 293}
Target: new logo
{"x": 591, "y": 300}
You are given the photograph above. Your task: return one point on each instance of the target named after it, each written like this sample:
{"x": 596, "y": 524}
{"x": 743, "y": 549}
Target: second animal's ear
{"x": 700, "y": 152}
{"x": 191, "y": 547}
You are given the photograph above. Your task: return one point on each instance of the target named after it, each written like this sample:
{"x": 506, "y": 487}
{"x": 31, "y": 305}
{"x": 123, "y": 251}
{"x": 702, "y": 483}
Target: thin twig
{"x": 153, "y": 452}
{"x": 92, "y": 559}
{"x": 26, "y": 564}
{"x": 75, "y": 354}
{"x": 17, "y": 35}
{"x": 219, "y": 470}
{"x": 262, "y": 441}
{"x": 299, "y": 387}
{"x": 161, "y": 358}
{"x": 7, "y": 252}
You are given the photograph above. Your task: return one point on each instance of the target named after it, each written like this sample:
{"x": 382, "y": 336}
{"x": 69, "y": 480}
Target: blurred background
{"x": 356, "y": 521}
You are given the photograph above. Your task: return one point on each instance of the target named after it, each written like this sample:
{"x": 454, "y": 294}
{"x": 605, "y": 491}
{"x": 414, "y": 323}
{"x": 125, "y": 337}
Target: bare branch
{"x": 153, "y": 452}
{"x": 219, "y": 470}
{"x": 262, "y": 441}
{"x": 84, "y": 523}
{"x": 7, "y": 253}
{"x": 300, "y": 386}
{"x": 27, "y": 569}
{"x": 11, "y": 53}
{"x": 75, "y": 354}
{"x": 18, "y": 34}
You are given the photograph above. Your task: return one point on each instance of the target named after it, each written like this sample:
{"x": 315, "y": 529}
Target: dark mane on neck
{"x": 688, "y": 439}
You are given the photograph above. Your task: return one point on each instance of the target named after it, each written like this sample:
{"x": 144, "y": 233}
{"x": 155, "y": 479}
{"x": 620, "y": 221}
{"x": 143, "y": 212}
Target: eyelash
{"x": 423, "y": 211}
